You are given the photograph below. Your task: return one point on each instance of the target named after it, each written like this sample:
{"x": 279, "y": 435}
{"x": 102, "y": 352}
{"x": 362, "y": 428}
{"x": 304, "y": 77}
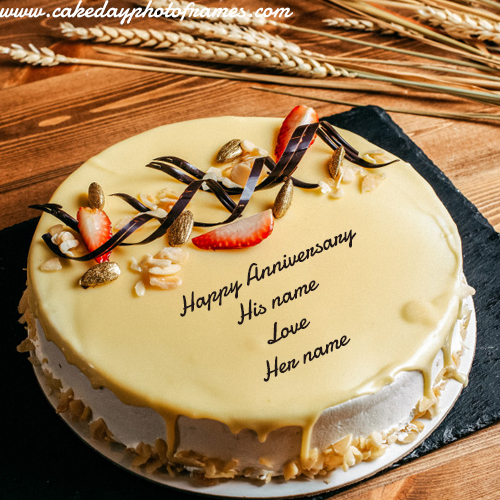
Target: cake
{"x": 321, "y": 341}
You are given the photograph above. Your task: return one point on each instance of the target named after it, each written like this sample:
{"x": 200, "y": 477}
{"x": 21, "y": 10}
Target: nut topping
{"x": 335, "y": 164}
{"x": 283, "y": 199}
{"x": 100, "y": 274}
{"x": 96, "y": 197}
{"x": 229, "y": 151}
{"x": 179, "y": 232}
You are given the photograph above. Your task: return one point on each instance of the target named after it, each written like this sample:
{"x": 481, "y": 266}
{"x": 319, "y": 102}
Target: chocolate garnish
{"x": 332, "y": 138}
{"x": 287, "y": 164}
{"x": 289, "y": 160}
{"x": 163, "y": 164}
{"x": 213, "y": 186}
{"x": 57, "y": 211}
{"x": 133, "y": 202}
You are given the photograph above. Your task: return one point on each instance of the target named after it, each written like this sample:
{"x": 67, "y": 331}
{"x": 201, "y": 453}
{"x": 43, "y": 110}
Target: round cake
{"x": 310, "y": 332}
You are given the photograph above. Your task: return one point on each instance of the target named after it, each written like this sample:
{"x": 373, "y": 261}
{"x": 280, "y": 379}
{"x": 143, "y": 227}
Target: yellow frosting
{"x": 388, "y": 294}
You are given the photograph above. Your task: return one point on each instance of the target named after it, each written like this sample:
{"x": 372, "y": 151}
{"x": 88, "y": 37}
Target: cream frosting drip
{"x": 393, "y": 296}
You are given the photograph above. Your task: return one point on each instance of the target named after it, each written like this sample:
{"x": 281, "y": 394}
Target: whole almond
{"x": 229, "y": 151}
{"x": 336, "y": 161}
{"x": 100, "y": 274}
{"x": 96, "y": 198}
{"x": 180, "y": 231}
{"x": 283, "y": 199}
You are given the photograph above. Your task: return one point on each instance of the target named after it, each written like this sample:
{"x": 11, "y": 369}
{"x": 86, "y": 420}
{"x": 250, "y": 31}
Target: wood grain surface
{"x": 53, "y": 119}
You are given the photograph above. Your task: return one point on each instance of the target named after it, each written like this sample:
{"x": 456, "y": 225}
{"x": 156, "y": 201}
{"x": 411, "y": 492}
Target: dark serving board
{"x": 42, "y": 457}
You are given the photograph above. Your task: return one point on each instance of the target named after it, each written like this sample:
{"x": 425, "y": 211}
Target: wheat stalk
{"x": 461, "y": 26}
{"x": 357, "y": 24}
{"x": 284, "y": 62}
{"x": 185, "y": 46}
{"x": 412, "y": 29}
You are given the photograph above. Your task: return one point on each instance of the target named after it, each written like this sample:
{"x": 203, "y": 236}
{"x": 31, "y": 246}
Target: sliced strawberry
{"x": 300, "y": 115}
{"x": 240, "y": 234}
{"x": 95, "y": 228}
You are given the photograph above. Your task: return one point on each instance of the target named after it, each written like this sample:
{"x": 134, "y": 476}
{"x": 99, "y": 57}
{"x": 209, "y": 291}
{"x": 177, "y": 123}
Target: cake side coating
{"x": 364, "y": 426}
{"x": 385, "y": 291}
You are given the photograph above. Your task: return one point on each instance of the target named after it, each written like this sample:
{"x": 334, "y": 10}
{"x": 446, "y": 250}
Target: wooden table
{"x": 52, "y": 119}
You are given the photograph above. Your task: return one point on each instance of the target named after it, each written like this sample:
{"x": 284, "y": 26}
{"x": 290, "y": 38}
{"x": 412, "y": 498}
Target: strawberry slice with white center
{"x": 239, "y": 234}
{"x": 300, "y": 115}
{"x": 95, "y": 228}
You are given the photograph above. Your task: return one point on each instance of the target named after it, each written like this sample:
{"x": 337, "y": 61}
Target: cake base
{"x": 278, "y": 488}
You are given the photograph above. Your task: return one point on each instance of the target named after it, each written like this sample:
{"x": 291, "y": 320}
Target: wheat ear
{"x": 241, "y": 35}
{"x": 462, "y": 26}
{"x": 291, "y": 64}
{"x": 356, "y": 24}
{"x": 124, "y": 36}
{"x": 36, "y": 57}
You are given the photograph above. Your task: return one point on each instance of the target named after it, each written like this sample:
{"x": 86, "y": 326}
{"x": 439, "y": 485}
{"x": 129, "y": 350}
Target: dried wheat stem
{"x": 472, "y": 8}
{"x": 340, "y": 60}
{"x": 436, "y": 114}
{"x": 357, "y": 24}
{"x": 46, "y": 56}
{"x": 461, "y": 26}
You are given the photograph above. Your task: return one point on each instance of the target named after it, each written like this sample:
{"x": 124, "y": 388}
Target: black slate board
{"x": 42, "y": 458}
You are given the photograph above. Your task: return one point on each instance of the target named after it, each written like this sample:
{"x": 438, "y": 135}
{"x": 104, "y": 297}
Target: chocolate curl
{"x": 332, "y": 138}
{"x": 289, "y": 160}
{"x": 106, "y": 247}
{"x": 57, "y": 211}
{"x": 133, "y": 202}
{"x": 215, "y": 188}
{"x": 165, "y": 163}
{"x": 287, "y": 164}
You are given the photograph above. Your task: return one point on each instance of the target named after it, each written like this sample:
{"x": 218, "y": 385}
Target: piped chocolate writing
{"x": 213, "y": 298}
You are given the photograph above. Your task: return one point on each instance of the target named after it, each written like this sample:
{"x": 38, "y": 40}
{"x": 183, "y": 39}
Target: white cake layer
{"x": 389, "y": 409}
